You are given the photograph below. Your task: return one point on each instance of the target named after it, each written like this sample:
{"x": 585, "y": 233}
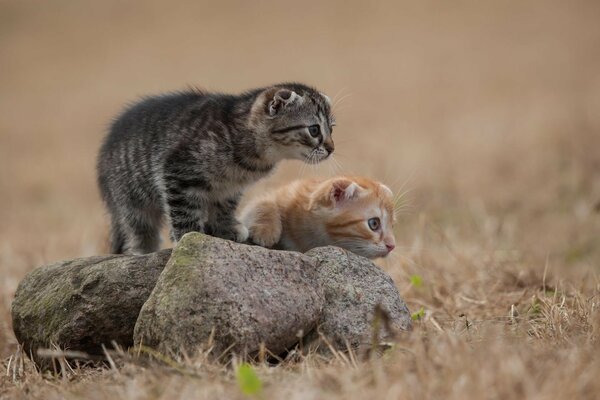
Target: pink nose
{"x": 390, "y": 247}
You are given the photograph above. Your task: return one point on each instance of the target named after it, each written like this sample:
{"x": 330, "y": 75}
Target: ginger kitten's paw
{"x": 241, "y": 233}
{"x": 264, "y": 235}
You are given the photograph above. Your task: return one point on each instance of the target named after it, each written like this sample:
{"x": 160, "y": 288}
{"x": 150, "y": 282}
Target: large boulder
{"x": 354, "y": 287}
{"x": 85, "y": 303}
{"x": 239, "y": 295}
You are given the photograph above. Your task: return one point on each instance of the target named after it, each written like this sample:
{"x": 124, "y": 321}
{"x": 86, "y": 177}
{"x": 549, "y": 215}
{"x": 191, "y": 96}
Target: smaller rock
{"x": 85, "y": 303}
{"x": 354, "y": 286}
{"x": 239, "y": 295}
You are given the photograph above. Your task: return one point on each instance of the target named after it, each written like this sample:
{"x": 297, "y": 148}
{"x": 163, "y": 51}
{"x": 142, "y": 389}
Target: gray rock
{"x": 354, "y": 286}
{"x": 247, "y": 294}
{"x": 238, "y": 295}
{"x": 84, "y": 303}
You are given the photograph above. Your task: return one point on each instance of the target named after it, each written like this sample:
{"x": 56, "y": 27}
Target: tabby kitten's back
{"x": 355, "y": 213}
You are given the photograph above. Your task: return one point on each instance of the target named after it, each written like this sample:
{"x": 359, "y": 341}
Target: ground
{"x": 484, "y": 114}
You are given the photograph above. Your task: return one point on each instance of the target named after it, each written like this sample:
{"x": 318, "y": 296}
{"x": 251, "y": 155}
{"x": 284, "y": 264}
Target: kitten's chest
{"x": 239, "y": 176}
{"x": 232, "y": 181}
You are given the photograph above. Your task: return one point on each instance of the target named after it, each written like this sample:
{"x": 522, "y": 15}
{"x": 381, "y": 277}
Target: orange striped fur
{"x": 320, "y": 212}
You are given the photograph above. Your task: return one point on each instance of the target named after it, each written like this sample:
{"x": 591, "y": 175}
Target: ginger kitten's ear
{"x": 387, "y": 190}
{"x": 282, "y": 98}
{"x": 343, "y": 190}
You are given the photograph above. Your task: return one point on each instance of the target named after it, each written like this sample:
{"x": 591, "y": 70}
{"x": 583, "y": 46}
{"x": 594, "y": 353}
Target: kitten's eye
{"x": 374, "y": 223}
{"x": 314, "y": 130}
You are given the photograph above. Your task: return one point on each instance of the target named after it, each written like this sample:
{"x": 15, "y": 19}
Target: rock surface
{"x": 353, "y": 287}
{"x": 84, "y": 303}
{"x": 249, "y": 295}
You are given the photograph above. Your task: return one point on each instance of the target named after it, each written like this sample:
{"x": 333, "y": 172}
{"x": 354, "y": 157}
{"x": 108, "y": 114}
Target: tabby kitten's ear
{"x": 281, "y": 99}
{"x": 327, "y": 99}
{"x": 343, "y": 190}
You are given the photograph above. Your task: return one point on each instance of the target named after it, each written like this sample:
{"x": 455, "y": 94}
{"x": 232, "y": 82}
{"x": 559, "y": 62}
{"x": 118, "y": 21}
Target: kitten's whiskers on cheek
{"x": 310, "y": 162}
{"x": 305, "y": 164}
{"x": 360, "y": 247}
{"x": 336, "y": 166}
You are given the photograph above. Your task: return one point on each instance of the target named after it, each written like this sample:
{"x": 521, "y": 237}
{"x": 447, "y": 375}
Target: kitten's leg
{"x": 117, "y": 237}
{"x": 264, "y": 224}
{"x": 187, "y": 214}
{"x": 223, "y": 222}
{"x": 135, "y": 229}
{"x": 141, "y": 230}
{"x": 187, "y": 191}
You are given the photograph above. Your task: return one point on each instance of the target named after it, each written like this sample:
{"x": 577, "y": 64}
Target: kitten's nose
{"x": 329, "y": 146}
{"x": 390, "y": 243}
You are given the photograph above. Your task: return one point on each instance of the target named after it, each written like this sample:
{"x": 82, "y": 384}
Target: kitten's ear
{"x": 343, "y": 190}
{"x": 327, "y": 99}
{"x": 387, "y": 190}
{"x": 280, "y": 99}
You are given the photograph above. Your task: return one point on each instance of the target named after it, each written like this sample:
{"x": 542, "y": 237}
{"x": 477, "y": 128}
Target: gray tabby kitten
{"x": 188, "y": 156}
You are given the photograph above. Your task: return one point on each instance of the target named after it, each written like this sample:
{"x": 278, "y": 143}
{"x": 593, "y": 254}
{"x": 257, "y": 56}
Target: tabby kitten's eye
{"x": 374, "y": 223}
{"x": 314, "y": 130}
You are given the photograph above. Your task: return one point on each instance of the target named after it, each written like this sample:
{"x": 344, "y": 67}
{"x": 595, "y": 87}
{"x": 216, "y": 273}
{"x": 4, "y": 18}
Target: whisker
{"x": 340, "y": 101}
{"x": 396, "y": 256}
{"x": 402, "y": 201}
{"x": 301, "y": 169}
{"x": 339, "y": 93}
{"x": 332, "y": 166}
{"x": 335, "y": 165}
{"x": 406, "y": 182}
{"x": 313, "y": 165}
{"x": 305, "y": 164}
{"x": 400, "y": 196}
{"x": 341, "y": 109}
{"x": 403, "y": 210}
{"x": 340, "y": 168}
{"x": 344, "y": 167}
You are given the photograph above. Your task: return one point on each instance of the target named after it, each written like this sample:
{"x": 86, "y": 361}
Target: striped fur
{"x": 186, "y": 157}
{"x": 316, "y": 212}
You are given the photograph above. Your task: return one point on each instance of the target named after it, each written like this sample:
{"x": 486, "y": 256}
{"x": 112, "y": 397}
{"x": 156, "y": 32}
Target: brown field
{"x": 488, "y": 112}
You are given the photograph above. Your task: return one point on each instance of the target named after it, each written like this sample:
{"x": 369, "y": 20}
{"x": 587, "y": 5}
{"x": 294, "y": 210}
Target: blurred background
{"x": 488, "y": 112}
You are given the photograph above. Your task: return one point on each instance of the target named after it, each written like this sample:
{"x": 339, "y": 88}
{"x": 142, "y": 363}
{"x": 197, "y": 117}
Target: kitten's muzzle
{"x": 329, "y": 146}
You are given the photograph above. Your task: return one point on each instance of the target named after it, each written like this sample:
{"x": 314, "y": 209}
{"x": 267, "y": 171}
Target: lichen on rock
{"x": 354, "y": 286}
{"x": 85, "y": 303}
{"x": 240, "y": 295}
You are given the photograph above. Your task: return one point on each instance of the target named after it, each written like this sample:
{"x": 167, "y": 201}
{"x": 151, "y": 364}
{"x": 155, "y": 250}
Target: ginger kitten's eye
{"x": 374, "y": 223}
{"x": 314, "y": 130}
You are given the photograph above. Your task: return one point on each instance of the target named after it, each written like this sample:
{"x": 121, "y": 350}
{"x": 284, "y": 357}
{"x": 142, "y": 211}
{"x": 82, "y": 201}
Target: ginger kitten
{"x": 354, "y": 213}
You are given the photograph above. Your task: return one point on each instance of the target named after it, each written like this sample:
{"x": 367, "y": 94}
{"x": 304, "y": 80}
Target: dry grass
{"x": 489, "y": 112}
